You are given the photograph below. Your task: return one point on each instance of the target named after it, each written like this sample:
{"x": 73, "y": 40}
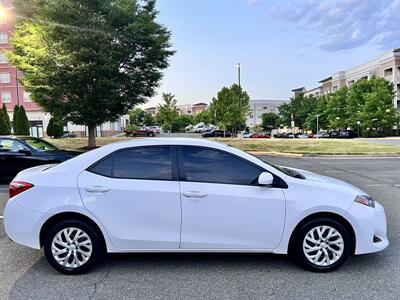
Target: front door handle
{"x": 97, "y": 189}
{"x": 194, "y": 194}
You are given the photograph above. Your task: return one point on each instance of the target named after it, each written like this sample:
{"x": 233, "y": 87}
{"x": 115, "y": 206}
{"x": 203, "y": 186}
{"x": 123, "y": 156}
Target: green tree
{"x": 300, "y": 107}
{"x": 205, "y": 116}
{"x": 320, "y": 113}
{"x": 7, "y": 119}
{"x": 378, "y": 110}
{"x": 15, "y": 118}
{"x": 55, "y": 128}
{"x": 356, "y": 100}
{"x": 167, "y": 112}
{"x": 90, "y": 61}
{"x": 226, "y": 107}
{"x": 3, "y": 124}
{"x": 270, "y": 121}
{"x": 136, "y": 116}
{"x": 181, "y": 122}
{"x": 22, "y": 122}
{"x": 149, "y": 120}
{"x": 336, "y": 109}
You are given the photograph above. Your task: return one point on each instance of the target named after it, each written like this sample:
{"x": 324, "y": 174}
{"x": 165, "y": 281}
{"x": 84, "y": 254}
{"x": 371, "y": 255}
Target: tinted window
{"x": 103, "y": 167}
{"x": 144, "y": 163}
{"x": 208, "y": 165}
{"x": 11, "y": 146}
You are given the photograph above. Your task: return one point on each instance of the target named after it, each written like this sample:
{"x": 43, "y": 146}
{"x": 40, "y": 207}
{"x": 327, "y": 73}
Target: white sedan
{"x": 188, "y": 195}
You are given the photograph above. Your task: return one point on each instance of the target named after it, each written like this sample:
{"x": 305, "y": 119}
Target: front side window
{"x": 11, "y": 146}
{"x": 148, "y": 163}
{"x": 40, "y": 145}
{"x": 214, "y": 166}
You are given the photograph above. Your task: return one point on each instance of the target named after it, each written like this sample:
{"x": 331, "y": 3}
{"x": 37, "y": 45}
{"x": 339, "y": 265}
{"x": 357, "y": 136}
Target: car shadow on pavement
{"x": 182, "y": 275}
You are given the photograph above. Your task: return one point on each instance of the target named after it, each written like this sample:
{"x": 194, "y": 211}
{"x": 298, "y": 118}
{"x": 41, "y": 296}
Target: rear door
{"x": 135, "y": 195}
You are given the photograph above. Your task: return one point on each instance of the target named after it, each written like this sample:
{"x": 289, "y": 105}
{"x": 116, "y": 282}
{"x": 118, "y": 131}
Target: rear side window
{"x": 214, "y": 166}
{"x": 103, "y": 167}
{"x": 151, "y": 163}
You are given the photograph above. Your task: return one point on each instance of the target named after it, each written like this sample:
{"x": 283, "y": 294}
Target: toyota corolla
{"x": 188, "y": 195}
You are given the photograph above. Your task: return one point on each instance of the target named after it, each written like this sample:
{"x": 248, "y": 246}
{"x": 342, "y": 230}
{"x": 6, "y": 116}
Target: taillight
{"x": 17, "y": 187}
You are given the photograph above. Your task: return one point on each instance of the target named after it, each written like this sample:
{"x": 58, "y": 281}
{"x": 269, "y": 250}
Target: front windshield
{"x": 40, "y": 145}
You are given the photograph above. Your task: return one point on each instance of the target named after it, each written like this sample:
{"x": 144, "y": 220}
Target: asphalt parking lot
{"x": 24, "y": 273}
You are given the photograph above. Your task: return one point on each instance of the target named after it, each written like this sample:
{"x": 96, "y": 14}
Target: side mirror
{"x": 25, "y": 151}
{"x": 265, "y": 178}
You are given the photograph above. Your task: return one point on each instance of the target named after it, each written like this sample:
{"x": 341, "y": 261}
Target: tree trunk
{"x": 92, "y": 136}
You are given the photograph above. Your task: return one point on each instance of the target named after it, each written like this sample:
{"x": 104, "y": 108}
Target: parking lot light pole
{"x": 239, "y": 95}
{"x": 358, "y": 123}
{"x": 317, "y": 124}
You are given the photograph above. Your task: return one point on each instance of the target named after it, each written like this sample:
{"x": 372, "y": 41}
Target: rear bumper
{"x": 21, "y": 224}
{"x": 369, "y": 227}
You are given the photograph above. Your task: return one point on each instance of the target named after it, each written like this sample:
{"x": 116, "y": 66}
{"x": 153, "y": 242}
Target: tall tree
{"x": 7, "y": 119}
{"x": 299, "y": 107}
{"x": 90, "y": 61}
{"x": 167, "y": 112}
{"x": 205, "y": 117}
{"x": 226, "y": 107}
{"x": 3, "y": 124}
{"x": 336, "y": 108}
{"x": 270, "y": 120}
{"x": 149, "y": 120}
{"x": 15, "y": 118}
{"x": 356, "y": 100}
{"x": 55, "y": 128}
{"x": 318, "y": 119}
{"x": 136, "y": 116}
{"x": 22, "y": 122}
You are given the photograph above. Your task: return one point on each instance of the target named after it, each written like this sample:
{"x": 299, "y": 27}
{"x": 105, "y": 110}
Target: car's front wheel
{"x": 322, "y": 245}
{"x": 73, "y": 247}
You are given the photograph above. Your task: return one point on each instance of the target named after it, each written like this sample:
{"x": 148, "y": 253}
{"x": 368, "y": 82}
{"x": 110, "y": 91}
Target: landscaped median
{"x": 273, "y": 146}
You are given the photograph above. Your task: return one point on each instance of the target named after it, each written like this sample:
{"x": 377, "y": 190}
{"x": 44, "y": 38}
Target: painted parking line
{"x": 382, "y": 185}
{"x": 360, "y": 171}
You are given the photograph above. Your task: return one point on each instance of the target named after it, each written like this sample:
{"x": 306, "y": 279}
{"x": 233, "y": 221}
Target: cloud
{"x": 344, "y": 24}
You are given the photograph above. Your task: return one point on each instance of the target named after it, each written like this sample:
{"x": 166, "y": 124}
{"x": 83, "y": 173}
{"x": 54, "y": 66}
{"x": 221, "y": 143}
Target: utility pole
{"x": 239, "y": 95}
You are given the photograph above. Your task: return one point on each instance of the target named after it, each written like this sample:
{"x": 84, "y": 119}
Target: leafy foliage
{"x": 90, "y": 61}
{"x": 22, "y": 123}
{"x": 55, "y": 128}
{"x": 181, "y": 122}
{"x": 167, "y": 111}
{"x": 5, "y": 124}
{"x": 136, "y": 116}
{"x": 226, "y": 107}
{"x": 205, "y": 116}
{"x": 270, "y": 120}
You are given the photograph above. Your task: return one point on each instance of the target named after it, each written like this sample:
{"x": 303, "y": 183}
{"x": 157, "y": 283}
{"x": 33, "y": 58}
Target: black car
{"x": 334, "y": 134}
{"x": 347, "y": 134}
{"x": 217, "y": 133}
{"x": 22, "y": 152}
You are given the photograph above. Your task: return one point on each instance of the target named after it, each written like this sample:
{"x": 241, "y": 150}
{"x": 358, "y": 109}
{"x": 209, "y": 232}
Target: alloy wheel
{"x": 71, "y": 247}
{"x": 323, "y": 245}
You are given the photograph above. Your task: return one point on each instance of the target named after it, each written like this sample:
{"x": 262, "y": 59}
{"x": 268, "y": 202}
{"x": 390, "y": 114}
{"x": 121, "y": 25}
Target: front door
{"x": 135, "y": 194}
{"x": 222, "y": 205}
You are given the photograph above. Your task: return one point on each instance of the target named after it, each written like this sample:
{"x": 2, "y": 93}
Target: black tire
{"x": 296, "y": 246}
{"x": 96, "y": 241}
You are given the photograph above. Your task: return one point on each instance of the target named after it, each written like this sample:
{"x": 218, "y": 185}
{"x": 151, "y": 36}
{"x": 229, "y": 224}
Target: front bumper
{"x": 369, "y": 225}
{"x": 22, "y": 225}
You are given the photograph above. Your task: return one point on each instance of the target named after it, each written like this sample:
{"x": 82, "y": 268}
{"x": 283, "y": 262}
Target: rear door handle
{"x": 97, "y": 189}
{"x": 194, "y": 194}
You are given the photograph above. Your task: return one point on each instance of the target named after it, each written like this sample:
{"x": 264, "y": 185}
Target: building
{"x": 12, "y": 93}
{"x": 183, "y": 109}
{"x": 259, "y": 107}
{"x": 385, "y": 66}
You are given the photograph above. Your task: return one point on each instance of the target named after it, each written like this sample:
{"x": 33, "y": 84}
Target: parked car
{"x": 68, "y": 135}
{"x": 142, "y": 131}
{"x": 303, "y": 136}
{"x": 188, "y": 195}
{"x": 155, "y": 129}
{"x": 260, "y": 135}
{"x": 334, "y": 134}
{"x": 247, "y": 135}
{"x": 322, "y": 135}
{"x": 216, "y": 133}
{"x": 347, "y": 134}
{"x": 21, "y": 152}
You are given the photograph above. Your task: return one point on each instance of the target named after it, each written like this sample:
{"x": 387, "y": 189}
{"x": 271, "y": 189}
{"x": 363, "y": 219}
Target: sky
{"x": 281, "y": 45}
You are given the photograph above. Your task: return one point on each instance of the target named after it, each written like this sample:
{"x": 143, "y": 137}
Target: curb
{"x": 366, "y": 155}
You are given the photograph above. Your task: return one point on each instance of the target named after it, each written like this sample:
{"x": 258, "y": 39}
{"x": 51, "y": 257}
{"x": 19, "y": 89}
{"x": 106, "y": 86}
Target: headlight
{"x": 365, "y": 200}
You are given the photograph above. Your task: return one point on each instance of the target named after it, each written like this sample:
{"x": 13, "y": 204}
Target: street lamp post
{"x": 239, "y": 96}
{"x": 358, "y": 124}
{"x": 317, "y": 124}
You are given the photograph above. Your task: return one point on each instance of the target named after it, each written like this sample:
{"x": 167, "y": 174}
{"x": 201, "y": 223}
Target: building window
{"x": 3, "y": 19}
{"x": 5, "y": 78}
{"x": 388, "y": 72}
{"x": 6, "y": 97}
{"x": 27, "y": 97}
{"x": 3, "y": 58}
{"x": 3, "y": 38}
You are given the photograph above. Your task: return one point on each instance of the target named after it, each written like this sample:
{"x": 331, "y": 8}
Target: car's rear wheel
{"x": 73, "y": 247}
{"x": 322, "y": 245}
